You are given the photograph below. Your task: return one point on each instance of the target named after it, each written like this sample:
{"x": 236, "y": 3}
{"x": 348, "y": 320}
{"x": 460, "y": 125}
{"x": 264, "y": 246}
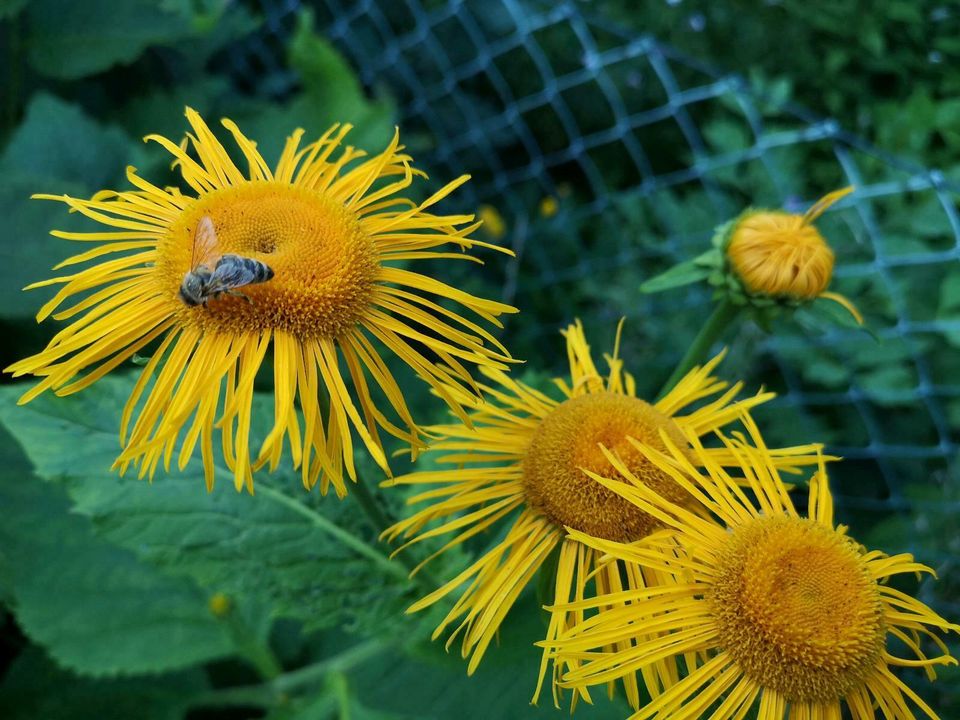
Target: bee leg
{"x": 237, "y": 293}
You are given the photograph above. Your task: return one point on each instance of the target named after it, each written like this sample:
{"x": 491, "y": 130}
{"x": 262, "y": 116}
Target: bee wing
{"x": 231, "y": 273}
{"x": 204, "y": 244}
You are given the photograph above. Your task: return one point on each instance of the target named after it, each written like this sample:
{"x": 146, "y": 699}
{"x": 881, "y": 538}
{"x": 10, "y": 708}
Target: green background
{"x": 650, "y": 123}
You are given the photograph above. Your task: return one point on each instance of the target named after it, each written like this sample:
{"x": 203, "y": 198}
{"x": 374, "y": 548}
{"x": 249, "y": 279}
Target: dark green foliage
{"x": 109, "y": 579}
{"x": 93, "y": 606}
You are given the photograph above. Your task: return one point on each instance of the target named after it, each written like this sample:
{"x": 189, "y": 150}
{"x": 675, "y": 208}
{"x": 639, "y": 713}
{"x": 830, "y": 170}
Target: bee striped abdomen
{"x": 236, "y": 271}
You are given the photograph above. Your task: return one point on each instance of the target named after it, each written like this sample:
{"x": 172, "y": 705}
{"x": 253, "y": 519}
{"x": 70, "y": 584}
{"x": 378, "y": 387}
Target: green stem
{"x": 336, "y": 532}
{"x": 339, "y": 663}
{"x": 371, "y": 506}
{"x": 250, "y": 645}
{"x": 262, "y": 696}
{"x": 341, "y": 690}
{"x": 255, "y": 652}
{"x": 380, "y": 521}
{"x": 379, "y": 518}
{"x": 723, "y": 314}
{"x": 273, "y": 691}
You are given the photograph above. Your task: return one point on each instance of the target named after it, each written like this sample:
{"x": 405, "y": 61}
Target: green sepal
{"x": 684, "y": 273}
{"x": 723, "y": 232}
{"x": 823, "y": 311}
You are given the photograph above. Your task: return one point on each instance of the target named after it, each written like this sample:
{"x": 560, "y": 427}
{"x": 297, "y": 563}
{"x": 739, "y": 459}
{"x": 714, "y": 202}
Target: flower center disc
{"x": 775, "y": 253}
{"x": 324, "y": 264}
{"x": 567, "y": 440}
{"x": 797, "y": 609}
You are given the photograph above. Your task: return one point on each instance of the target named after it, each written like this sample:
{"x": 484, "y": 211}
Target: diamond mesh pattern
{"x": 646, "y": 151}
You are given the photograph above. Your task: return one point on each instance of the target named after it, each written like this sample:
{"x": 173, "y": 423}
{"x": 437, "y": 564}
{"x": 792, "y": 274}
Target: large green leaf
{"x": 14, "y": 463}
{"x": 57, "y": 140}
{"x": 27, "y": 251}
{"x": 93, "y": 606}
{"x": 276, "y": 554}
{"x": 36, "y": 688}
{"x": 70, "y": 40}
{"x": 57, "y": 149}
{"x": 433, "y": 685}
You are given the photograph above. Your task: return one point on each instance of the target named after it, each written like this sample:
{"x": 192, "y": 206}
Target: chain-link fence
{"x": 611, "y": 155}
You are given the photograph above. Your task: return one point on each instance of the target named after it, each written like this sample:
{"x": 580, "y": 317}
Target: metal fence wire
{"x": 611, "y": 155}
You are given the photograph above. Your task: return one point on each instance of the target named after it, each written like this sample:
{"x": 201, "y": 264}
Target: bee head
{"x": 193, "y": 287}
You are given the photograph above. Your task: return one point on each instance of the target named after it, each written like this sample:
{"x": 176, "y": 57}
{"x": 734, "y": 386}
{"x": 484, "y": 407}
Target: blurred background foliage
{"x": 609, "y": 138}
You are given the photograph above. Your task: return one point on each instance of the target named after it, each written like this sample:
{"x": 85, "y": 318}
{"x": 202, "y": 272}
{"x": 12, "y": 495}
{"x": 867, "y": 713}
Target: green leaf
{"x": 161, "y": 111}
{"x": 57, "y": 140}
{"x": 686, "y": 273}
{"x": 36, "y": 688}
{"x": 884, "y": 380}
{"x": 325, "y": 73}
{"x": 27, "y": 251}
{"x": 726, "y": 135}
{"x": 215, "y": 24}
{"x": 15, "y": 463}
{"x": 433, "y": 685}
{"x": 273, "y": 553}
{"x": 93, "y": 606}
{"x": 75, "y": 39}
{"x": 821, "y": 368}
{"x": 57, "y": 149}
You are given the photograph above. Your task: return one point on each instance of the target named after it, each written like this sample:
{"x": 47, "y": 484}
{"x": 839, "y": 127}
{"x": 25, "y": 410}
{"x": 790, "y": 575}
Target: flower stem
{"x": 371, "y": 507}
{"x": 255, "y": 651}
{"x": 380, "y": 521}
{"x": 337, "y": 532}
{"x": 723, "y": 314}
{"x": 274, "y": 690}
{"x": 338, "y": 663}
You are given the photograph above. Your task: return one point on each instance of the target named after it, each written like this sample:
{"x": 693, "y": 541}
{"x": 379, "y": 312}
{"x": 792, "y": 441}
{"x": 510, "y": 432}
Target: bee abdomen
{"x": 237, "y": 269}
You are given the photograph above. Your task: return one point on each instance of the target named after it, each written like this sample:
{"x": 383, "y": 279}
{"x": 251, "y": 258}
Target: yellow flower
{"x": 782, "y": 255}
{"x": 333, "y": 231}
{"x": 522, "y": 457}
{"x": 220, "y": 604}
{"x": 765, "y": 605}
{"x": 549, "y": 206}
{"x": 493, "y": 222}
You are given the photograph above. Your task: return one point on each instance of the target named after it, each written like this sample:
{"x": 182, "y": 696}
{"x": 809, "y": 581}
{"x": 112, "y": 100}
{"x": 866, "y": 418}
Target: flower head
{"x": 527, "y": 458}
{"x": 782, "y": 256}
{"x": 493, "y": 223}
{"x": 764, "y": 605}
{"x": 549, "y": 206}
{"x": 301, "y": 259}
{"x": 765, "y": 260}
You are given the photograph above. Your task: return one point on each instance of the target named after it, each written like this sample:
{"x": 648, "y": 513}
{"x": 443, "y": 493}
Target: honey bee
{"x": 212, "y": 274}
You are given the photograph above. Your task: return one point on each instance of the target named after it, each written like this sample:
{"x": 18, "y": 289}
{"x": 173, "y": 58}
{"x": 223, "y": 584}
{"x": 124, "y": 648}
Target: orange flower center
{"x": 569, "y": 439}
{"x": 323, "y": 263}
{"x": 797, "y": 608}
